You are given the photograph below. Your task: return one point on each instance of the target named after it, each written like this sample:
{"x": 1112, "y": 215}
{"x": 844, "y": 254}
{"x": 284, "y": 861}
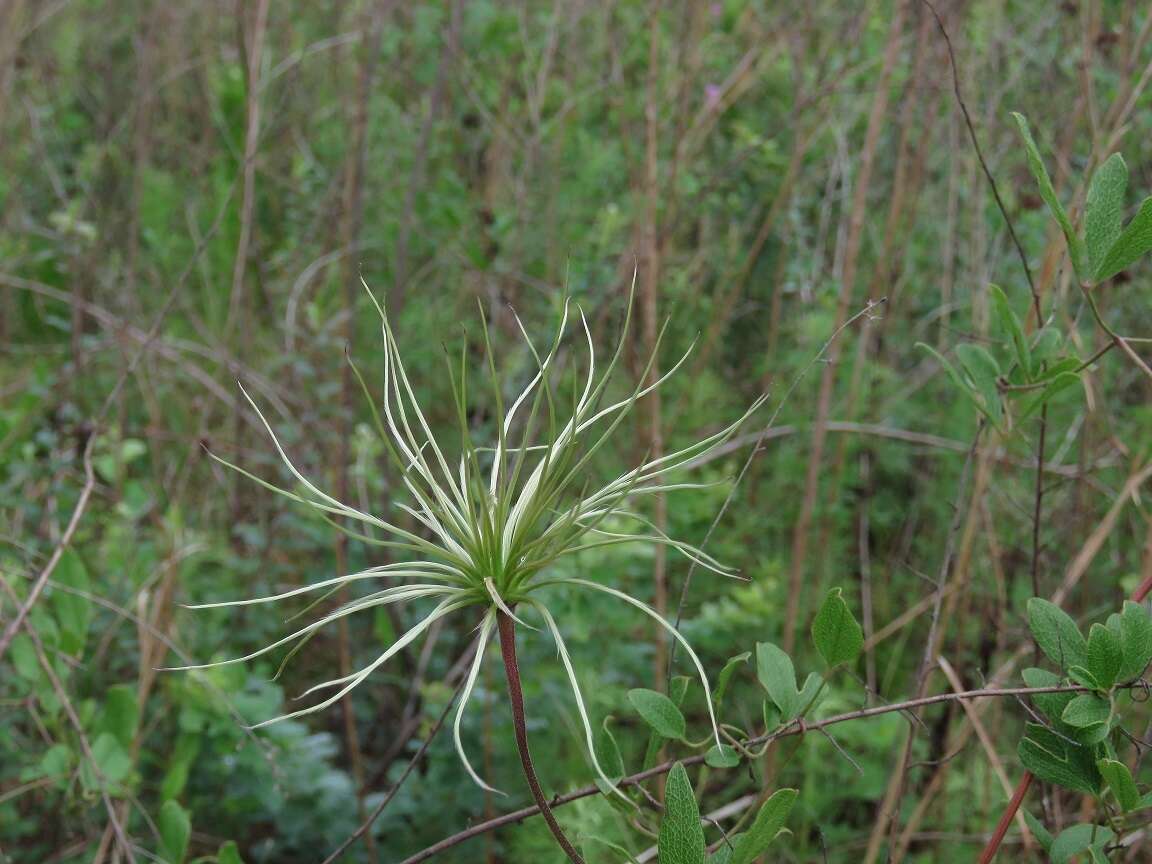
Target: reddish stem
{"x": 516, "y": 699}
{"x": 1142, "y": 591}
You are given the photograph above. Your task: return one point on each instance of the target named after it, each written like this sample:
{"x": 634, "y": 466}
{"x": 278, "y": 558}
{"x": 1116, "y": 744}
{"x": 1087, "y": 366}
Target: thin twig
{"x": 980, "y": 157}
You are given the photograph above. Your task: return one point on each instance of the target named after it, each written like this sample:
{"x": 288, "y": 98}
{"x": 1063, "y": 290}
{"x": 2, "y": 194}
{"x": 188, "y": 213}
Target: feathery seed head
{"x": 492, "y": 520}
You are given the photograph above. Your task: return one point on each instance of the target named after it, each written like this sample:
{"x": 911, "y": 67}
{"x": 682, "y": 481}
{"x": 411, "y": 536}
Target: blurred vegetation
{"x": 189, "y": 195}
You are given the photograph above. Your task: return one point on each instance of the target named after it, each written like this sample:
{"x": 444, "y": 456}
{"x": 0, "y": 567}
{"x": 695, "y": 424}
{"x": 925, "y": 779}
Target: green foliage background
{"x": 512, "y": 154}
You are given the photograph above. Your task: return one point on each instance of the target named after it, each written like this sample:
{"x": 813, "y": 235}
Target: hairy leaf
{"x": 1048, "y": 193}
{"x": 1055, "y": 759}
{"x": 1051, "y": 705}
{"x": 722, "y": 756}
{"x": 1135, "y": 640}
{"x": 1056, "y": 634}
{"x": 1105, "y": 657}
{"x": 1104, "y": 209}
{"x": 1085, "y": 710}
{"x": 1119, "y": 780}
{"x": 1134, "y": 241}
{"x": 681, "y": 839}
{"x": 659, "y": 712}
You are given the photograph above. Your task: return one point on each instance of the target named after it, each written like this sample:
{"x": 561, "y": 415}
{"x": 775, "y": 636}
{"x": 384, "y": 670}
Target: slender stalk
{"x": 516, "y": 700}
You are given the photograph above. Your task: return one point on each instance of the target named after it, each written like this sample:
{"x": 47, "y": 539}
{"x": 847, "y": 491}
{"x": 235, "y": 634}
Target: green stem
{"x": 516, "y": 699}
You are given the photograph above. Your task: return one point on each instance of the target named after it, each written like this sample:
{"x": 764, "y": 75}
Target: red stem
{"x": 516, "y": 699}
{"x": 1142, "y": 591}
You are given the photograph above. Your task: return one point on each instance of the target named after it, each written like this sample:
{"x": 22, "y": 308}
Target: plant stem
{"x": 516, "y": 699}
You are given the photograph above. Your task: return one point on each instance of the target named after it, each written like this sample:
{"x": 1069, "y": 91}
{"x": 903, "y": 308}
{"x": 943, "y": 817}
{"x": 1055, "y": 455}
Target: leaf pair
{"x": 1116, "y": 652}
{"x": 1108, "y": 246}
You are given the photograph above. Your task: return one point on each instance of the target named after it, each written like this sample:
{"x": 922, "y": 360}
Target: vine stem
{"x": 507, "y": 629}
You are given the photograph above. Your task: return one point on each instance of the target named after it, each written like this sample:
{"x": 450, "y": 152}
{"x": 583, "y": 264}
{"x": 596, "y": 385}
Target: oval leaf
{"x": 722, "y": 756}
{"x": 775, "y": 670}
{"x": 835, "y": 632}
{"x": 175, "y": 828}
{"x": 1119, "y": 780}
{"x": 1105, "y": 657}
{"x": 1057, "y": 634}
{"x": 659, "y": 712}
{"x": 1104, "y": 210}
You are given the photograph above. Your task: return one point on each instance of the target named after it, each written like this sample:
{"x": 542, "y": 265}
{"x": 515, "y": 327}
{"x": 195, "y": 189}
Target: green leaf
{"x": 1055, "y": 759}
{"x": 586, "y": 841}
{"x": 723, "y": 855}
{"x": 659, "y": 712}
{"x": 768, "y": 823}
{"x": 1045, "y": 344}
{"x": 1085, "y": 710}
{"x": 72, "y": 612}
{"x": 722, "y": 756}
{"x": 1119, "y": 780}
{"x": 835, "y": 632}
{"x": 772, "y": 717}
{"x": 56, "y": 763}
{"x": 961, "y": 385}
{"x": 1068, "y": 364}
{"x": 726, "y": 675}
{"x": 1083, "y": 677}
{"x": 1079, "y": 838}
{"x": 608, "y": 752}
{"x": 1056, "y": 634}
{"x": 775, "y": 670}
{"x": 24, "y": 658}
{"x": 120, "y": 714}
{"x": 810, "y": 693}
{"x": 179, "y": 764}
{"x": 980, "y": 365}
{"x": 1039, "y": 831}
{"x": 111, "y": 760}
{"x": 1051, "y": 705}
{"x": 1104, "y": 209}
{"x": 1048, "y": 193}
{"x": 1105, "y": 656}
{"x": 1056, "y": 384}
{"x": 681, "y": 839}
{"x": 1135, "y": 640}
{"x": 1012, "y": 328}
{"x": 229, "y": 854}
{"x": 1134, "y": 241}
{"x": 175, "y": 828}
{"x": 678, "y": 689}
